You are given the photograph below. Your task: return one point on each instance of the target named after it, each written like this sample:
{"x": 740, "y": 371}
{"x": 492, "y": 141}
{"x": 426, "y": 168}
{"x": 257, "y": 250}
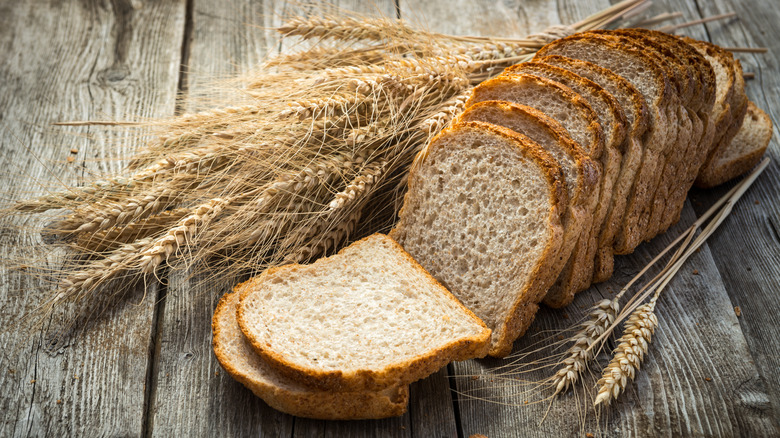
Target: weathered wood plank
{"x": 74, "y": 61}
{"x": 747, "y": 248}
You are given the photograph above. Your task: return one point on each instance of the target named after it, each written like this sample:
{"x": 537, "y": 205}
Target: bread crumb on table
{"x": 737, "y": 311}
{"x": 477, "y": 435}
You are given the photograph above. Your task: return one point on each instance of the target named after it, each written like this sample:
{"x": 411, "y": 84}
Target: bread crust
{"x": 296, "y": 399}
{"x": 397, "y": 374}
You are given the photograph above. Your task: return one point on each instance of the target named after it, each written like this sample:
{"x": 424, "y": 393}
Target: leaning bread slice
{"x": 746, "y": 148}
{"x": 581, "y": 174}
{"x": 483, "y": 216}
{"x": 367, "y": 318}
{"x": 730, "y": 107}
{"x": 240, "y": 361}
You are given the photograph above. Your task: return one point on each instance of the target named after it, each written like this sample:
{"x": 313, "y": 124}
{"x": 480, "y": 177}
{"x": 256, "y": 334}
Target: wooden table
{"x": 146, "y": 368}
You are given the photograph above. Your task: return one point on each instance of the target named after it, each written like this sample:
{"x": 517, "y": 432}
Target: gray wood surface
{"x": 148, "y": 369}
{"x": 75, "y": 61}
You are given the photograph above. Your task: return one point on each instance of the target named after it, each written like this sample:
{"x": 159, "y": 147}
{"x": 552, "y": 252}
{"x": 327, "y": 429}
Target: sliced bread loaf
{"x": 240, "y": 361}
{"x": 745, "y": 149}
{"x": 613, "y": 123}
{"x": 483, "y": 216}
{"x": 367, "y": 318}
{"x": 681, "y": 121}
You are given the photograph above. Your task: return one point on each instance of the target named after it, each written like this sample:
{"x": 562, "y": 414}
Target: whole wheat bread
{"x": 367, "y": 318}
{"x": 642, "y": 71}
{"x": 574, "y": 113}
{"x": 635, "y": 109}
{"x": 745, "y": 149}
{"x": 613, "y": 123}
{"x": 240, "y": 361}
{"x": 483, "y": 216}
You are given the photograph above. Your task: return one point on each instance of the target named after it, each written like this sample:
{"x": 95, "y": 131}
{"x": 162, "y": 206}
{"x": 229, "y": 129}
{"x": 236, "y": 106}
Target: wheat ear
{"x": 184, "y": 231}
{"x": 600, "y": 318}
{"x": 629, "y": 353}
{"x": 113, "y": 238}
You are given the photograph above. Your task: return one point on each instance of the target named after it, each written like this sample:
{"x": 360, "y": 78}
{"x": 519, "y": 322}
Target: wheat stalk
{"x": 629, "y": 353}
{"x": 601, "y": 316}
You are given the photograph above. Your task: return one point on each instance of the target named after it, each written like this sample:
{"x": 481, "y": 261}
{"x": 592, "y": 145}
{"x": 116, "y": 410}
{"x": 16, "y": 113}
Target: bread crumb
{"x": 737, "y": 311}
{"x": 32, "y": 381}
{"x": 474, "y": 377}
{"x": 589, "y": 435}
{"x": 756, "y": 202}
{"x": 477, "y": 435}
{"x": 59, "y": 402}
{"x": 75, "y": 376}
{"x": 695, "y": 272}
{"x": 709, "y": 379}
{"x": 71, "y": 158}
{"x": 560, "y": 337}
{"x": 74, "y": 151}
{"x": 216, "y": 373}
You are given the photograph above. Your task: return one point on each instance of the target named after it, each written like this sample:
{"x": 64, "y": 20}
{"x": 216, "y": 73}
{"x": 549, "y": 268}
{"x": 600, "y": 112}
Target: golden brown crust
{"x": 731, "y": 169}
{"x": 299, "y": 400}
{"x": 595, "y": 147}
{"x": 398, "y": 374}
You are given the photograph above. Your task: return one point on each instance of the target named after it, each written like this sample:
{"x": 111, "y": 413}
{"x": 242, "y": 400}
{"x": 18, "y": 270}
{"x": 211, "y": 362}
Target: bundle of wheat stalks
{"x": 317, "y": 155}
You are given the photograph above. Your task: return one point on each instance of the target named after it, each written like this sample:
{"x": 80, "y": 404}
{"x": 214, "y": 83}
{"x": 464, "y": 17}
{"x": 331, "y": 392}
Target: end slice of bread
{"x": 483, "y": 215}
{"x": 367, "y": 318}
{"x": 240, "y": 361}
{"x": 745, "y": 149}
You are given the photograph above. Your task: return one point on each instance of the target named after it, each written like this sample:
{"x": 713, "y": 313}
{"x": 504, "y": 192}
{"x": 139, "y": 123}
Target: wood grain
{"x": 74, "y": 61}
{"x": 148, "y": 368}
{"x": 747, "y": 248}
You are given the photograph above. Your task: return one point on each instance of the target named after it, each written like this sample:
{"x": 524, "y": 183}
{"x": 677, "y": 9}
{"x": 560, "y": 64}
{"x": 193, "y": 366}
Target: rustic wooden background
{"x": 147, "y": 367}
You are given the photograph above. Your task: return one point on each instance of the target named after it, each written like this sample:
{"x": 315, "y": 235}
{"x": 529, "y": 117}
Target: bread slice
{"x": 642, "y": 71}
{"x": 746, "y": 148}
{"x": 483, "y": 216}
{"x": 729, "y": 109}
{"x": 613, "y": 122}
{"x": 367, "y": 318}
{"x": 240, "y": 361}
{"x": 635, "y": 109}
{"x": 574, "y": 113}
{"x": 581, "y": 174}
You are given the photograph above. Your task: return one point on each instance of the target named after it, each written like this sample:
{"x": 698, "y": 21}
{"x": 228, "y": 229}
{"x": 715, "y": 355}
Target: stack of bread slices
{"x": 554, "y": 167}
